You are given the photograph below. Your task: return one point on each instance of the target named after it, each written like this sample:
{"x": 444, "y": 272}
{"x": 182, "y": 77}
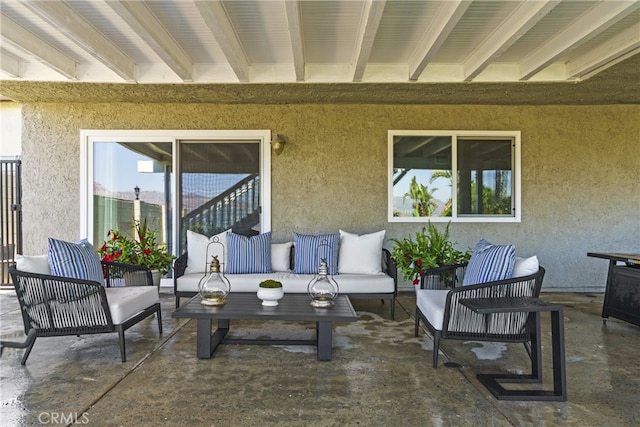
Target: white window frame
{"x": 89, "y": 136}
{"x": 454, "y": 134}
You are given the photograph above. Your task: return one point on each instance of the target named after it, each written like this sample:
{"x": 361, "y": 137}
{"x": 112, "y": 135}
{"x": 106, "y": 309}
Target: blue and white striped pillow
{"x": 309, "y": 249}
{"x": 248, "y": 254}
{"x": 77, "y": 260}
{"x": 489, "y": 263}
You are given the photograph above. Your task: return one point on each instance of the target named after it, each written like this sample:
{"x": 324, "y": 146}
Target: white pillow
{"x": 38, "y": 264}
{"x": 526, "y": 266}
{"x": 200, "y": 253}
{"x": 360, "y": 254}
{"x": 281, "y": 256}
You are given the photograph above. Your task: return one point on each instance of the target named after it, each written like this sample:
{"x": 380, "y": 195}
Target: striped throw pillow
{"x": 248, "y": 254}
{"x": 490, "y": 262}
{"x": 77, "y": 260}
{"x": 310, "y": 249}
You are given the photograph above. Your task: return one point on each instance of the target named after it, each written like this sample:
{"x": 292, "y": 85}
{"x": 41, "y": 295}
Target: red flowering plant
{"x": 430, "y": 249}
{"x": 143, "y": 250}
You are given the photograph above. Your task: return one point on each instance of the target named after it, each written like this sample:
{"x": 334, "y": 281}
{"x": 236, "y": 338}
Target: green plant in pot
{"x": 270, "y": 292}
{"x": 428, "y": 249}
{"x": 270, "y": 284}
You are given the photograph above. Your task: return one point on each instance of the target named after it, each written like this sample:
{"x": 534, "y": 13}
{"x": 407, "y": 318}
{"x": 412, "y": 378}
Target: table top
{"x": 508, "y": 305}
{"x": 246, "y": 305}
{"x": 614, "y": 256}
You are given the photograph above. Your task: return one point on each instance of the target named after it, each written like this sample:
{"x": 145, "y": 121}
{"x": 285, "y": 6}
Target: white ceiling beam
{"x": 23, "y": 39}
{"x": 443, "y": 23}
{"x": 221, "y": 27}
{"x": 146, "y": 25}
{"x": 606, "y": 54}
{"x": 64, "y": 19}
{"x": 597, "y": 19}
{"x": 292, "y": 9}
{"x": 372, "y": 15}
{"x": 10, "y": 64}
{"x": 522, "y": 19}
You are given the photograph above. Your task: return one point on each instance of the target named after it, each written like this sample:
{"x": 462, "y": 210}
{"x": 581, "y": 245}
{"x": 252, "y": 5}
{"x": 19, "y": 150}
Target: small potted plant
{"x": 270, "y": 292}
{"x": 429, "y": 249}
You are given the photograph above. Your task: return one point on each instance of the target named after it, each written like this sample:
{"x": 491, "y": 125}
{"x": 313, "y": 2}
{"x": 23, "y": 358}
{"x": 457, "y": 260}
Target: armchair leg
{"x": 417, "y": 325}
{"x": 123, "y": 353}
{"x": 177, "y": 302}
{"x": 159, "y": 316}
{"x": 28, "y": 344}
{"x": 436, "y": 348}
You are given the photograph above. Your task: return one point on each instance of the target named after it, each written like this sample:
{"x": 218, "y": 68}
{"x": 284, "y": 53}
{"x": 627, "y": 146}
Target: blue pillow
{"x": 489, "y": 263}
{"x": 309, "y": 249}
{"x": 77, "y": 260}
{"x": 248, "y": 254}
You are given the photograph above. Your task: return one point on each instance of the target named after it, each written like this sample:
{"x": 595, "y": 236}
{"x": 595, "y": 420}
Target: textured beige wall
{"x": 580, "y": 177}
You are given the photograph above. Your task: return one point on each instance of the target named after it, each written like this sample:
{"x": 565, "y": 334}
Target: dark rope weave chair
{"x": 446, "y": 318}
{"x": 59, "y": 306}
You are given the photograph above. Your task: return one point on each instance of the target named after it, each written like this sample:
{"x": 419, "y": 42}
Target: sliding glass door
{"x": 204, "y": 181}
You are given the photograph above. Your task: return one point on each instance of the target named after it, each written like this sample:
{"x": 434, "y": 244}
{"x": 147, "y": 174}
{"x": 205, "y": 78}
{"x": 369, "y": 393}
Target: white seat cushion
{"x": 296, "y": 283}
{"x": 431, "y": 303}
{"x": 125, "y": 302}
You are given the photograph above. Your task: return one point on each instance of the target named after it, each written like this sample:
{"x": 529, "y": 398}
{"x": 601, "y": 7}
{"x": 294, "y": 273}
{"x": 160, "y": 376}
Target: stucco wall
{"x": 580, "y": 171}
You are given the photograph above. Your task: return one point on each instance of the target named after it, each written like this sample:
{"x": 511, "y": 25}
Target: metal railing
{"x": 10, "y": 215}
{"x": 239, "y": 205}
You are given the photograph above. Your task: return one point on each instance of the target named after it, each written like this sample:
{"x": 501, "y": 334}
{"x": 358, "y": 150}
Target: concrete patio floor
{"x": 380, "y": 375}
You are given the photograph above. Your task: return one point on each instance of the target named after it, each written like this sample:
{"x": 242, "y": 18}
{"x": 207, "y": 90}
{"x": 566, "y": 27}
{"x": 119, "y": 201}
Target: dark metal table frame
{"x": 622, "y": 292}
{"x": 246, "y": 306}
{"x": 534, "y": 306}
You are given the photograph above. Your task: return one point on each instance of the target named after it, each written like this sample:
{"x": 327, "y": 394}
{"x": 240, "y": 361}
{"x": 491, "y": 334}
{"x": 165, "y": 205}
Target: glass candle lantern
{"x": 322, "y": 289}
{"x": 214, "y": 286}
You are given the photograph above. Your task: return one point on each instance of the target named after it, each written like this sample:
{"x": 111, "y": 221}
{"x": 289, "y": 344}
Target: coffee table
{"x": 247, "y": 306}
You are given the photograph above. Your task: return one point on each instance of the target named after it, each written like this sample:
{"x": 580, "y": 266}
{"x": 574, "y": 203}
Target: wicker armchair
{"x": 57, "y": 306}
{"x": 446, "y": 318}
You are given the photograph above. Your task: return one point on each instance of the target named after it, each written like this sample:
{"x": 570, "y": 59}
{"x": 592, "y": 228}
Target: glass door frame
{"x": 90, "y": 136}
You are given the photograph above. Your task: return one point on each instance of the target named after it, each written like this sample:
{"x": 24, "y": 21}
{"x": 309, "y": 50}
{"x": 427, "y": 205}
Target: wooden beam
{"x": 520, "y": 21}
{"x": 372, "y": 15}
{"x": 443, "y": 23}
{"x": 609, "y": 53}
{"x": 61, "y": 16}
{"x": 10, "y": 64}
{"x": 292, "y": 9}
{"x": 597, "y": 19}
{"x": 146, "y": 25}
{"x": 23, "y": 39}
{"x": 221, "y": 27}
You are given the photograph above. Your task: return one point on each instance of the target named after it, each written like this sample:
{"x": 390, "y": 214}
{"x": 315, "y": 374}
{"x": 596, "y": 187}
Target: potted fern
{"x": 427, "y": 250}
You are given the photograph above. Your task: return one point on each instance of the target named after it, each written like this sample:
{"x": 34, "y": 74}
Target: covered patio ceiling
{"x": 313, "y": 51}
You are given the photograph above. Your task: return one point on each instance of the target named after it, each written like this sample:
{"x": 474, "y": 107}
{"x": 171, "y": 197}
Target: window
{"x": 459, "y": 176}
{"x": 205, "y": 181}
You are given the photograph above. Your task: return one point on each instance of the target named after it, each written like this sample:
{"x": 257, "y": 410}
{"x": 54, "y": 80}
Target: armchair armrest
{"x": 445, "y": 277}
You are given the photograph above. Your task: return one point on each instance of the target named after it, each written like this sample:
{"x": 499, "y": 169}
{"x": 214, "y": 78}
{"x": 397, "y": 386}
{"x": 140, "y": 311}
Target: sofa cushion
{"x": 78, "y": 260}
{"x": 311, "y": 248}
{"x": 248, "y": 254}
{"x": 296, "y": 283}
{"x": 431, "y": 303}
{"x": 360, "y": 254}
{"x": 199, "y": 252}
{"x": 281, "y": 256}
{"x": 525, "y": 266}
{"x": 127, "y": 301}
{"x": 38, "y": 264}
{"x": 489, "y": 263}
